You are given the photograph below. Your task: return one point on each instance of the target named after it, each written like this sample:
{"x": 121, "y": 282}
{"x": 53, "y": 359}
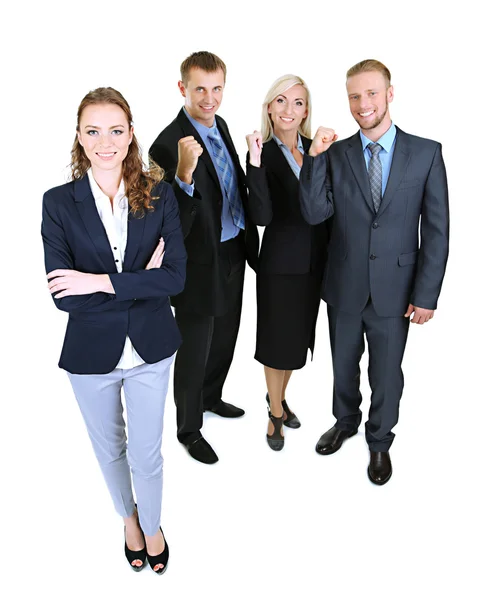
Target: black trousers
{"x": 208, "y": 344}
{"x": 386, "y": 337}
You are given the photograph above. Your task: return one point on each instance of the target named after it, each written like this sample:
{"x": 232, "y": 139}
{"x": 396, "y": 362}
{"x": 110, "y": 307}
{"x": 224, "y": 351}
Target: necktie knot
{"x": 374, "y": 149}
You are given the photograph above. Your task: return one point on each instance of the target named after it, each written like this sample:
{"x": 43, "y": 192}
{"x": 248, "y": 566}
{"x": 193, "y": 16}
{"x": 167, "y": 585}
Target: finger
{"x": 409, "y": 310}
{"x": 188, "y": 138}
{"x": 58, "y": 273}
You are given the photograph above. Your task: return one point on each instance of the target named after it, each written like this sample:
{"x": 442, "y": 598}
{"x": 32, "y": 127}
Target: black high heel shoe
{"x": 276, "y": 440}
{"x": 162, "y": 558}
{"x": 135, "y": 555}
{"x": 292, "y": 420}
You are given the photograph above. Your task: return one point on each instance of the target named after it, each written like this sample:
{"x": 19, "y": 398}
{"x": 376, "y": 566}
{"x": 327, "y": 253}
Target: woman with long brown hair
{"x": 114, "y": 253}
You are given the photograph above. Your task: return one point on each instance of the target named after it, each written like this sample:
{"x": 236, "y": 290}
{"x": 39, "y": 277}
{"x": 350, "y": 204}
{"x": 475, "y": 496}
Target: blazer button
{"x": 193, "y": 210}
{"x": 375, "y": 225}
{"x": 372, "y": 257}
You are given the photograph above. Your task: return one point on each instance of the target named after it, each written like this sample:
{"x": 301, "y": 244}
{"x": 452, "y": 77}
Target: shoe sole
{"x": 328, "y": 452}
{"x": 379, "y": 482}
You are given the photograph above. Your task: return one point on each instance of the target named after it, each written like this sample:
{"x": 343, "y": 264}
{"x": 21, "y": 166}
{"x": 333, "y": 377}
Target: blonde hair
{"x": 365, "y": 66}
{"x": 278, "y": 87}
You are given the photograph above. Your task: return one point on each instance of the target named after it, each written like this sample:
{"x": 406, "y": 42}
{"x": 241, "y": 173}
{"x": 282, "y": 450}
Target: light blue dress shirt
{"x": 387, "y": 142}
{"x": 288, "y": 154}
{"x": 229, "y": 229}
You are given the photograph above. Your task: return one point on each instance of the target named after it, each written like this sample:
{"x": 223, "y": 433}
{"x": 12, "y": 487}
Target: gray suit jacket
{"x": 380, "y": 254}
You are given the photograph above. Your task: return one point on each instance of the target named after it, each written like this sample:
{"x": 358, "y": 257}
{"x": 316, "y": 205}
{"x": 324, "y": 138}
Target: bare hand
{"x": 322, "y": 141}
{"x": 155, "y": 261}
{"x": 255, "y": 145}
{"x": 420, "y": 315}
{"x": 189, "y": 150}
{"x": 73, "y": 283}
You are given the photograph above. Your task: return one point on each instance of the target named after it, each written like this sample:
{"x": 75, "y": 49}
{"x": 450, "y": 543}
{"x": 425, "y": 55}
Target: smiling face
{"x": 369, "y": 97}
{"x": 105, "y": 135}
{"x": 288, "y": 110}
{"x": 203, "y": 92}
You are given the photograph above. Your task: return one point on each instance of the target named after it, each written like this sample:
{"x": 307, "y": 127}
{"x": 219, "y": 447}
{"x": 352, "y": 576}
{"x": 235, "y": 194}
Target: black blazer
{"x": 381, "y": 254}
{"x": 74, "y": 238}
{"x": 205, "y": 290}
{"x": 290, "y": 245}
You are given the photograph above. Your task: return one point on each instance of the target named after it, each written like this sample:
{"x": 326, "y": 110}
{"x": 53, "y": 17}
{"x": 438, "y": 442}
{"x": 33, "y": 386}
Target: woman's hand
{"x": 322, "y": 141}
{"x": 155, "y": 261}
{"x": 73, "y": 283}
{"x": 255, "y": 145}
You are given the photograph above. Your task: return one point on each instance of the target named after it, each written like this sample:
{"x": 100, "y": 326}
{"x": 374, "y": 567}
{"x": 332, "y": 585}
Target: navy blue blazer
{"x": 397, "y": 256}
{"x": 74, "y": 238}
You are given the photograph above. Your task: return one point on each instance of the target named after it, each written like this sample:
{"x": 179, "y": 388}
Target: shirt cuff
{"x": 188, "y": 188}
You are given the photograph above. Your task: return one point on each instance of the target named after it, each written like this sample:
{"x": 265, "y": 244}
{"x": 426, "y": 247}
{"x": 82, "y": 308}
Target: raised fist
{"x": 323, "y": 139}
{"x": 189, "y": 150}
{"x": 255, "y": 145}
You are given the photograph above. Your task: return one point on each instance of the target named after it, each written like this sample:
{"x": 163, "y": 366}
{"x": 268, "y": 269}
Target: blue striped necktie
{"x": 228, "y": 178}
{"x": 375, "y": 175}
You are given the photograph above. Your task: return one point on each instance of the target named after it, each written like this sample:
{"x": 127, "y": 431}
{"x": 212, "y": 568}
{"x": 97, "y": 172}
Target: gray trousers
{"x": 386, "y": 338}
{"x": 99, "y": 398}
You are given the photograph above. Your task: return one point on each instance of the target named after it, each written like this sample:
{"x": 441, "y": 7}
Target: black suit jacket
{"x": 74, "y": 238}
{"x": 205, "y": 290}
{"x": 290, "y": 245}
{"x": 381, "y": 254}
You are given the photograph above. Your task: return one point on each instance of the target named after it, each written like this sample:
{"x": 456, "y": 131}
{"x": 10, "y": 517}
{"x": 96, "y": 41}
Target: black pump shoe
{"x": 276, "y": 440}
{"x": 292, "y": 421}
{"x": 162, "y": 558}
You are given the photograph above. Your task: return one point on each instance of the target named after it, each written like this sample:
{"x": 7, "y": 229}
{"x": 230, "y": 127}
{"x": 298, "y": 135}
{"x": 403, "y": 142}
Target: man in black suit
{"x": 200, "y": 160}
{"x": 383, "y": 186}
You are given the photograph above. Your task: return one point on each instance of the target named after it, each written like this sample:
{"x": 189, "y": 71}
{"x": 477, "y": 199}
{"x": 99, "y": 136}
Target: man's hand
{"x": 322, "y": 141}
{"x": 155, "y": 261}
{"x": 420, "y": 315}
{"x": 189, "y": 150}
{"x": 255, "y": 145}
{"x": 73, "y": 283}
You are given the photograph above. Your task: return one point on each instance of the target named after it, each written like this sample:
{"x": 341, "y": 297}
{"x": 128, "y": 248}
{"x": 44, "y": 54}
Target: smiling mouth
{"x": 106, "y": 155}
{"x": 207, "y": 107}
{"x": 286, "y": 119}
{"x": 368, "y": 113}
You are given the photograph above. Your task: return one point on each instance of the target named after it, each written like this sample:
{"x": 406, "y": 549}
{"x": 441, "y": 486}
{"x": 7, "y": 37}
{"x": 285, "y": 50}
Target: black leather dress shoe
{"x": 225, "y": 409}
{"x": 380, "y": 468}
{"x": 333, "y": 439}
{"x": 200, "y": 450}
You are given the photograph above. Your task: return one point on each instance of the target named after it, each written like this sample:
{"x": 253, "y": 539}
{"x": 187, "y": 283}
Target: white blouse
{"x": 115, "y": 222}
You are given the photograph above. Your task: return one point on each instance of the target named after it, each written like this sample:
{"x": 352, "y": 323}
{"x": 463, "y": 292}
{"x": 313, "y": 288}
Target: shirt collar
{"x": 203, "y": 130}
{"x": 98, "y": 193}
{"x": 386, "y": 140}
{"x": 300, "y": 147}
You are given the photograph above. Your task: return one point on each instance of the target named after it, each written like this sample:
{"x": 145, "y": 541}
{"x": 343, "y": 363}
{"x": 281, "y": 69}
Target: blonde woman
{"x": 292, "y": 254}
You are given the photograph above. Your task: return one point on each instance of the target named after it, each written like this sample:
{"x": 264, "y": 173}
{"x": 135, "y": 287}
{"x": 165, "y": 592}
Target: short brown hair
{"x": 206, "y": 61}
{"x": 370, "y": 65}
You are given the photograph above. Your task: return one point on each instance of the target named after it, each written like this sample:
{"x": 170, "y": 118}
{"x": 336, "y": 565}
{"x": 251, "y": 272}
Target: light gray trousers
{"x": 99, "y": 398}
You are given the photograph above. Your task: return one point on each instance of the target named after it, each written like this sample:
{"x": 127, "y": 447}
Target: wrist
{"x": 185, "y": 176}
{"x": 105, "y": 284}
{"x": 255, "y": 161}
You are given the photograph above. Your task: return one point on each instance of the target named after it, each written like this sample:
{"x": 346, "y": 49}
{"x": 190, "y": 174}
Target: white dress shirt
{"x": 115, "y": 222}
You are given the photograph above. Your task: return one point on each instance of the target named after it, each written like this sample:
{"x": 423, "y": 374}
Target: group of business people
{"x": 342, "y": 222}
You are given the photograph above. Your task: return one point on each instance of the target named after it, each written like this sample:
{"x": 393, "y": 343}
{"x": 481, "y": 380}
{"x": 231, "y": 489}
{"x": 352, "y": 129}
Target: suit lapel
{"x": 275, "y": 159}
{"x": 358, "y": 166}
{"x": 136, "y": 227}
{"x": 401, "y": 158}
{"x": 189, "y": 129}
{"x": 85, "y": 203}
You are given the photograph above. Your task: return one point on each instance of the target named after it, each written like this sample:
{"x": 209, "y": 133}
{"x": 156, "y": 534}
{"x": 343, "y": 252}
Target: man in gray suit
{"x": 382, "y": 186}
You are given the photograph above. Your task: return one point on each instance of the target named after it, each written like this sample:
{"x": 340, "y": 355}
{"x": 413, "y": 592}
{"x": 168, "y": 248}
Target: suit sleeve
{"x": 315, "y": 189}
{"x": 434, "y": 236}
{"x": 58, "y": 255}
{"x": 169, "y": 279}
{"x": 188, "y": 205}
{"x": 259, "y": 200}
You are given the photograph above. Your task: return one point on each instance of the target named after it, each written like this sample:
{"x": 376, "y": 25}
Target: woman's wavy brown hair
{"x": 138, "y": 178}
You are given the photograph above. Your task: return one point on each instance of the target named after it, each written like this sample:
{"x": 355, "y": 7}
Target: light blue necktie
{"x": 229, "y": 180}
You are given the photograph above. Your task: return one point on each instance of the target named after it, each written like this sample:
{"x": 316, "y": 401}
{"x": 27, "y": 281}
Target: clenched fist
{"x": 323, "y": 139}
{"x": 189, "y": 151}
{"x": 255, "y": 145}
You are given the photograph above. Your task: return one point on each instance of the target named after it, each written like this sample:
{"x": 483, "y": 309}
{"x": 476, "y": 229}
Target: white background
{"x": 281, "y": 525}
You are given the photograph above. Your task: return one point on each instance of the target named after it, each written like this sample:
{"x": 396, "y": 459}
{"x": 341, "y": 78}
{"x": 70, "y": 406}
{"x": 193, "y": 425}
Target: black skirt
{"x": 287, "y": 308}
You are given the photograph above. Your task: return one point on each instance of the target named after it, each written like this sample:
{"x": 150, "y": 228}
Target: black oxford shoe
{"x": 227, "y": 410}
{"x": 333, "y": 439}
{"x": 380, "y": 468}
{"x": 201, "y": 450}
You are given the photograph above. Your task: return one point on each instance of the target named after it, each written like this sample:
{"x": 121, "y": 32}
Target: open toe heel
{"x": 135, "y": 555}
{"x": 276, "y": 440}
{"x": 162, "y": 558}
